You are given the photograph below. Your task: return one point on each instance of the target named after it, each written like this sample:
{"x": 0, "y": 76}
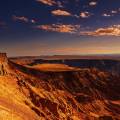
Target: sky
{"x": 59, "y": 27}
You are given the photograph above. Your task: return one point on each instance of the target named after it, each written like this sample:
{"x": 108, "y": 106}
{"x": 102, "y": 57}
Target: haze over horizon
{"x": 55, "y": 27}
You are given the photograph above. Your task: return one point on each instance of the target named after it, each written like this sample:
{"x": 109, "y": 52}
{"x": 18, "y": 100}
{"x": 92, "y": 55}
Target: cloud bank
{"x": 108, "y": 31}
{"x": 61, "y": 28}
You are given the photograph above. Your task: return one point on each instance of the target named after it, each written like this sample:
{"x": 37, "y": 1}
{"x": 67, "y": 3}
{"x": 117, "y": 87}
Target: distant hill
{"x": 54, "y": 57}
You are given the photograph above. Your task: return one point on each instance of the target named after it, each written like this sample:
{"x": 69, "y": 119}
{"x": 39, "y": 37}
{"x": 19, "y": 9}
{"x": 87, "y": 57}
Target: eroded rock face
{"x": 3, "y": 64}
{"x": 3, "y": 57}
{"x": 84, "y": 94}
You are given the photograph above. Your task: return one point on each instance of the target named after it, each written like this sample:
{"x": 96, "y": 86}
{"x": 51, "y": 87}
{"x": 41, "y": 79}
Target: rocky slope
{"x": 37, "y": 93}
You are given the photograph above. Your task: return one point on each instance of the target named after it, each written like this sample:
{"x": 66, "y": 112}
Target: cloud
{"x": 59, "y": 28}
{"x": 114, "y": 11}
{"x": 106, "y": 15}
{"x": 33, "y": 21}
{"x": 93, "y": 3}
{"x": 59, "y": 4}
{"x": 85, "y": 14}
{"x": 108, "y": 31}
{"x": 47, "y": 2}
{"x": 23, "y": 19}
{"x": 61, "y": 13}
{"x": 20, "y": 18}
{"x": 51, "y": 2}
{"x": 110, "y": 13}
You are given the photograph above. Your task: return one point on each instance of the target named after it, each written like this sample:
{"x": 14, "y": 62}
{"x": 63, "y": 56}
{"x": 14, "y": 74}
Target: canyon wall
{"x": 3, "y": 64}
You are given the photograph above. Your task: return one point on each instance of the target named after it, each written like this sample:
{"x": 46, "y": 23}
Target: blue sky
{"x": 48, "y": 27}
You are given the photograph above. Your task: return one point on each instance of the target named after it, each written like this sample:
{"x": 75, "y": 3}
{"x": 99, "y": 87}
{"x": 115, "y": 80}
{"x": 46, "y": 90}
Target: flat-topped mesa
{"x": 3, "y": 64}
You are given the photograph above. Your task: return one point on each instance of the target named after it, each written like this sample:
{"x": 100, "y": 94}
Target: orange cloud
{"x": 109, "y": 31}
{"x": 59, "y": 28}
{"x": 85, "y": 14}
{"x": 61, "y": 13}
{"x": 51, "y": 2}
{"x": 47, "y": 2}
{"x": 20, "y": 18}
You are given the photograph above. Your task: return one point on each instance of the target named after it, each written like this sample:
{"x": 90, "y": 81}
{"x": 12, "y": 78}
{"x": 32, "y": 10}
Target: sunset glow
{"x": 38, "y": 27}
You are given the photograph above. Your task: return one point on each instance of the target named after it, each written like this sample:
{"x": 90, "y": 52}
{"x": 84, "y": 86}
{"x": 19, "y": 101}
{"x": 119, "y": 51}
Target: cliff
{"x": 3, "y": 64}
{"x": 55, "y": 92}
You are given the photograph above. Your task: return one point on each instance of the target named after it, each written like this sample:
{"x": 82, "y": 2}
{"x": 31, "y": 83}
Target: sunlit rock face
{"x": 58, "y": 92}
{"x": 3, "y": 57}
{"x": 3, "y": 64}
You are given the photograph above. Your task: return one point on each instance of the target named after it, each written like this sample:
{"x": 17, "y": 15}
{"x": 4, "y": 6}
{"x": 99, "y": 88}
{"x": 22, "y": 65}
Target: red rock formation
{"x": 75, "y": 94}
{"x": 3, "y": 64}
{"x": 3, "y": 57}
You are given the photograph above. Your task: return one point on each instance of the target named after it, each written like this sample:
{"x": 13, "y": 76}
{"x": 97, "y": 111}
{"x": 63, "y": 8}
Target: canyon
{"x": 43, "y": 89}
